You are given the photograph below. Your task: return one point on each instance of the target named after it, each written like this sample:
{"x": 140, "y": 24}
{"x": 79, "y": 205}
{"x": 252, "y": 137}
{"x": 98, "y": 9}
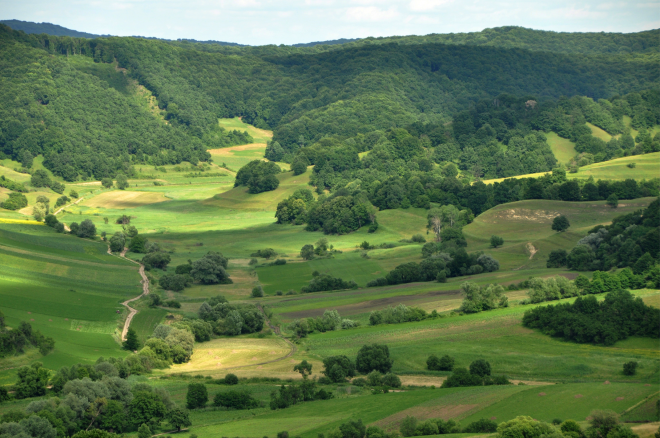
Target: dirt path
{"x": 145, "y": 290}
{"x": 531, "y": 250}
{"x": 65, "y": 206}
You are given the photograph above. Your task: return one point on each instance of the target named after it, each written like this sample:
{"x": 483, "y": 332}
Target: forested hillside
{"x": 86, "y": 121}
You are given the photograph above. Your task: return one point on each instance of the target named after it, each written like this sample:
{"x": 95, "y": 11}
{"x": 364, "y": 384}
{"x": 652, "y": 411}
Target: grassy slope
{"x": 562, "y": 148}
{"x": 529, "y": 222}
{"x": 617, "y": 169}
{"x": 60, "y": 284}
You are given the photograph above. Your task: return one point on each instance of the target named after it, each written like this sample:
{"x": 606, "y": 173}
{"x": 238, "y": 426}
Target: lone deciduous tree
{"x": 560, "y": 223}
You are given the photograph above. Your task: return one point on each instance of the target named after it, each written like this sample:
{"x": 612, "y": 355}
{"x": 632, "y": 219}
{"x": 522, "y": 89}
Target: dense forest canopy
{"x": 82, "y": 116}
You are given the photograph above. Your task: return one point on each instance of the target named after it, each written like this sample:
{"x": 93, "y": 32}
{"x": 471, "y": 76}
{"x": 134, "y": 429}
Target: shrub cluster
{"x": 231, "y": 319}
{"x": 259, "y": 176}
{"x": 14, "y": 341}
{"x": 326, "y": 282}
{"x": 328, "y": 322}
{"x": 93, "y": 397}
{"x": 478, "y": 375}
{"x": 586, "y": 320}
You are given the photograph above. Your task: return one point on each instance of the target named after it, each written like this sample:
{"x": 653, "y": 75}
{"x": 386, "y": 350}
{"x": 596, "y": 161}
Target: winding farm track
{"x": 145, "y": 290}
{"x": 65, "y": 206}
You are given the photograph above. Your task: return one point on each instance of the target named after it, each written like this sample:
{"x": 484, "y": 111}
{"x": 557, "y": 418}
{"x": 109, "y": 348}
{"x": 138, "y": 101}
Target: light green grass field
{"x": 259, "y": 135}
{"x": 562, "y": 148}
{"x": 529, "y": 222}
{"x": 599, "y": 133}
{"x": 616, "y": 169}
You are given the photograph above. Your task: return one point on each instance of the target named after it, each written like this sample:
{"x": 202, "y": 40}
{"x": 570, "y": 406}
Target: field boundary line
{"x": 640, "y": 402}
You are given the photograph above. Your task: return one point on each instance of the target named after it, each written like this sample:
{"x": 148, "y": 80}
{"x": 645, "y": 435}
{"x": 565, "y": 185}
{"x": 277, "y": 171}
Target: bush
{"x": 481, "y": 426}
{"x": 418, "y": 238}
{"x": 51, "y": 220}
{"x": 16, "y": 201}
{"x": 175, "y": 282}
{"x": 326, "y": 282}
{"x": 557, "y": 258}
{"x": 391, "y": 380}
{"x": 235, "y": 400}
{"x": 338, "y": 368}
{"x": 231, "y": 379}
{"x": 158, "y": 260}
{"x": 257, "y": 291}
{"x": 480, "y": 368}
{"x": 446, "y": 363}
{"x": 264, "y": 253}
{"x": 630, "y": 368}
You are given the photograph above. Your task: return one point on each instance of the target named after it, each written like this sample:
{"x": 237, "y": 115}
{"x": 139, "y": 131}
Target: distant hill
{"x": 57, "y": 30}
{"x": 47, "y": 28}
{"x": 327, "y": 43}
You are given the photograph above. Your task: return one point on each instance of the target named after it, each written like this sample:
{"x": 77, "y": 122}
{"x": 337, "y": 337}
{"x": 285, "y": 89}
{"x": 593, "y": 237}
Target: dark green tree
{"x": 560, "y": 223}
{"x": 480, "y": 368}
{"x": 179, "y": 418}
{"x": 373, "y": 357}
{"x": 613, "y": 200}
{"x": 132, "y": 342}
{"x": 496, "y": 241}
{"x": 144, "y": 431}
{"x": 630, "y": 368}
{"x": 197, "y": 396}
{"x": 304, "y": 368}
{"x": 32, "y": 381}
{"x": 122, "y": 181}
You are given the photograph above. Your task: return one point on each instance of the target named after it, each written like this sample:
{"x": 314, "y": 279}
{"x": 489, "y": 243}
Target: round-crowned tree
{"x": 480, "y": 368}
{"x": 373, "y": 357}
{"x": 560, "y": 223}
{"x": 197, "y": 396}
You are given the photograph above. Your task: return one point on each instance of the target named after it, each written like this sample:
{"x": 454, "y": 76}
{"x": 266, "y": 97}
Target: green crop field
{"x": 67, "y": 288}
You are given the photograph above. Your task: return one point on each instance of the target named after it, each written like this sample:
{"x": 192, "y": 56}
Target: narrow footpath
{"x": 145, "y": 290}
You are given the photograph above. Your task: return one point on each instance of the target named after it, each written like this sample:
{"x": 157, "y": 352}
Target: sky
{"x": 258, "y": 22}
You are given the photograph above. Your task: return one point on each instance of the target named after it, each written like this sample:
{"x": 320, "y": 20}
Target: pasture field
{"x": 599, "y": 133}
{"x": 616, "y": 169}
{"x": 562, "y": 148}
{"x": 67, "y": 288}
{"x": 525, "y": 226}
{"x": 259, "y": 135}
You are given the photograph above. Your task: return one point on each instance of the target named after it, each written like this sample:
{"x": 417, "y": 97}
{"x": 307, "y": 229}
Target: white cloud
{"x": 370, "y": 13}
{"x": 427, "y": 5}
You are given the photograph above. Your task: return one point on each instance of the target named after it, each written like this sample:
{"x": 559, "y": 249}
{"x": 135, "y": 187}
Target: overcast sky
{"x": 298, "y": 21}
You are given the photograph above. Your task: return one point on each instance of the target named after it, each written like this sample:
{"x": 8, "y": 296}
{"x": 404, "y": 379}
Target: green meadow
{"x": 562, "y": 148}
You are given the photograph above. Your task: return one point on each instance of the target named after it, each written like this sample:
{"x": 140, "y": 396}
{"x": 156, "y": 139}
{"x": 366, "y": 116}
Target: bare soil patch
{"x": 125, "y": 199}
{"x": 228, "y": 151}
